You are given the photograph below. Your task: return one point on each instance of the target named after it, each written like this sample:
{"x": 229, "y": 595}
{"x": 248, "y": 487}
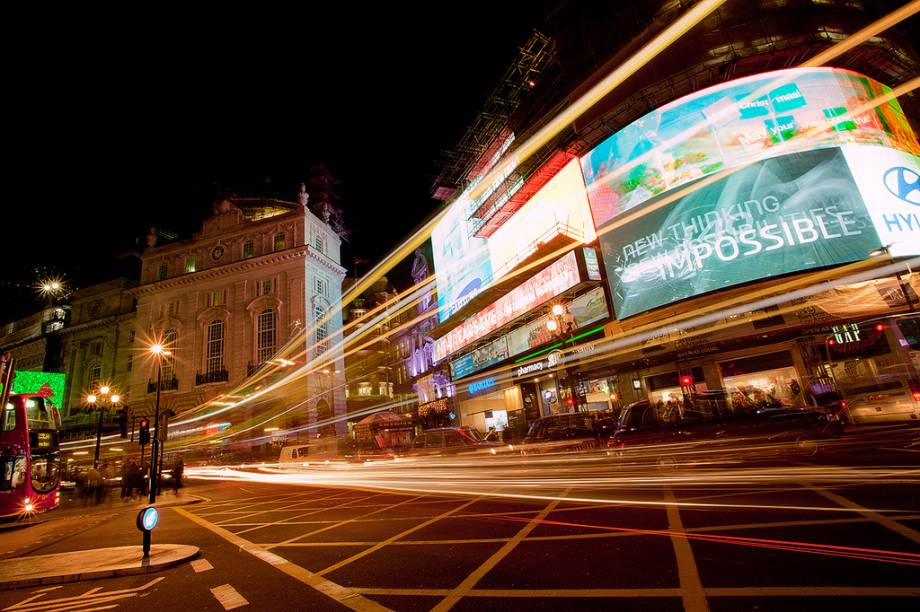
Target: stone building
{"x": 260, "y": 272}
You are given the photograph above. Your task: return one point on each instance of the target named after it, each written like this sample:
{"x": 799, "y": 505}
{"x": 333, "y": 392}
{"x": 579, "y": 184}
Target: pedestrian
{"x": 177, "y": 470}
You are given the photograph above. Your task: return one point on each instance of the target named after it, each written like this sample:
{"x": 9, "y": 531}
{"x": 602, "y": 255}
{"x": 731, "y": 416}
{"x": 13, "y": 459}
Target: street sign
{"x": 147, "y": 518}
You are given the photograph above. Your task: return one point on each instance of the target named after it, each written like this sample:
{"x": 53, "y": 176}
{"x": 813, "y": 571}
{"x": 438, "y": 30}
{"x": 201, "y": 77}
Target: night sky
{"x": 115, "y": 122}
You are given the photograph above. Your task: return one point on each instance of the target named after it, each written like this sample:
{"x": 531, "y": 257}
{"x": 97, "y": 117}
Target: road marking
{"x": 342, "y": 523}
{"x": 345, "y": 596}
{"x": 201, "y": 565}
{"x": 476, "y": 575}
{"x": 345, "y": 504}
{"x": 893, "y": 525}
{"x": 691, "y": 588}
{"x": 398, "y": 536}
{"x": 46, "y": 589}
{"x": 835, "y": 591}
{"x": 86, "y": 602}
{"x": 228, "y": 597}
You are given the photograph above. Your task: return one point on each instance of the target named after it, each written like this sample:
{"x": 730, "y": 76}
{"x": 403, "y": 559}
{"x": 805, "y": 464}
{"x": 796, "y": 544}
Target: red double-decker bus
{"x": 30, "y": 456}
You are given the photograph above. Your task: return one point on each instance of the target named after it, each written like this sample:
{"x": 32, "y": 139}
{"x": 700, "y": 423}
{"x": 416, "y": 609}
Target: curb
{"x": 143, "y": 568}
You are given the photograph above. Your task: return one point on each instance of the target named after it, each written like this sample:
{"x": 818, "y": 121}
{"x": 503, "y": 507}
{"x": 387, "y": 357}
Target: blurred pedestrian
{"x": 177, "y": 470}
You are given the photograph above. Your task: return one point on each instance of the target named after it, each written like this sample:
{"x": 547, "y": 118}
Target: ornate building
{"x": 259, "y": 273}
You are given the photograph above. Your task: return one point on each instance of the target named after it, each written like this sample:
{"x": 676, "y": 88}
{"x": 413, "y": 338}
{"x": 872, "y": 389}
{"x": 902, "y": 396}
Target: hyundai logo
{"x": 904, "y": 184}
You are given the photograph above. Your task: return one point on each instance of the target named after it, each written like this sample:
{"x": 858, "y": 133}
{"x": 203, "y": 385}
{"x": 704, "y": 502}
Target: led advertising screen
{"x": 48, "y": 384}
{"x": 889, "y": 181}
{"x": 461, "y": 260}
{"x": 587, "y": 308}
{"x": 734, "y": 124}
{"x": 780, "y": 215}
{"x": 466, "y": 265}
{"x": 561, "y": 275}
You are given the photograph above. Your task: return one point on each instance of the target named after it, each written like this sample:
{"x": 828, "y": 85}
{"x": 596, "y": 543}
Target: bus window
{"x": 46, "y": 470}
{"x": 12, "y": 472}
{"x": 38, "y": 415}
{"x": 9, "y": 418}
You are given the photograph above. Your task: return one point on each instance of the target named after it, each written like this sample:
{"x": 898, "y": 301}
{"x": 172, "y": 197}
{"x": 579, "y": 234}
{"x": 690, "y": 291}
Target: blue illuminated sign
{"x": 147, "y": 518}
{"x": 481, "y": 385}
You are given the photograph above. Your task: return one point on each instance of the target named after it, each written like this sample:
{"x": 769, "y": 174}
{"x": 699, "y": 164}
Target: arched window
{"x": 322, "y": 327}
{"x": 265, "y": 335}
{"x": 169, "y": 361}
{"x": 95, "y": 374}
{"x": 215, "y": 348}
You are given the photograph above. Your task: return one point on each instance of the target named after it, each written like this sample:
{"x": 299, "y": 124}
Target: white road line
{"x": 345, "y": 596}
{"x": 891, "y": 524}
{"x": 471, "y": 580}
{"x": 201, "y": 565}
{"x": 228, "y": 597}
{"x": 691, "y": 588}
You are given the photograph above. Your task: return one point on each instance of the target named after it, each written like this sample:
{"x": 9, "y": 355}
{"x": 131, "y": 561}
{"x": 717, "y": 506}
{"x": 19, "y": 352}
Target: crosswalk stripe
{"x": 228, "y": 597}
{"x": 201, "y": 565}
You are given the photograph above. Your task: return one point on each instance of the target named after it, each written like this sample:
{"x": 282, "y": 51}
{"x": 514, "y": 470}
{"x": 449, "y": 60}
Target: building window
{"x": 164, "y": 271}
{"x": 95, "y": 373}
{"x": 248, "y": 249}
{"x": 189, "y": 263}
{"x": 280, "y": 243}
{"x": 172, "y": 308}
{"x": 97, "y": 348}
{"x": 320, "y": 243}
{"x": 265, "y": 335}
{"x": 216, "y": 298}
{"x": 130, "y": 365}
{"x": 168, "y": 362}
{"x": 263, "y": 287}
{"x": 215, "y": 352}
{"x": 322, "y": 329}
{"x": 364, "y": 388}
{"x": 382, "y": 387}
{"x": 133, "y": 336}
{"x": 322, "y": 286}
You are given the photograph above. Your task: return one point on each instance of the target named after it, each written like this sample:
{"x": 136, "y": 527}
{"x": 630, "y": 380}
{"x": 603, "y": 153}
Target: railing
{"x": 170, "y": 384}
{"x": 211, "y": 377}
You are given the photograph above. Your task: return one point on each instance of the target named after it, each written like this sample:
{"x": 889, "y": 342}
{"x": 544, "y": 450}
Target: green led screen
{"x": 31, "y": 382}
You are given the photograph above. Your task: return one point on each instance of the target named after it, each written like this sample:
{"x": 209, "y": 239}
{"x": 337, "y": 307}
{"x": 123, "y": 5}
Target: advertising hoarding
{"x": 466, "y": 264}
{"x": 889, "y": 181}
{"x": 780, "y": 215}
{"x": 734, "y": 124}
{"x": 561, "y": 275}
{"x": 587, "y": 308}
{"x": 48, "y": 384}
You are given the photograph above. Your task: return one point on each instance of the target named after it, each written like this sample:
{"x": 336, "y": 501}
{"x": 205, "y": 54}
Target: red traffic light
{"x": 570, "y": 401}
{"x": 686, "y": 381}
{"x": 880, "y": 327}
{"x": 144, "y": 423}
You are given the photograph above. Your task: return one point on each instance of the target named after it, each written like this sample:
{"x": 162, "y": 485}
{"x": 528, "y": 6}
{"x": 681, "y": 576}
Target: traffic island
{"x": 90, "y": 564}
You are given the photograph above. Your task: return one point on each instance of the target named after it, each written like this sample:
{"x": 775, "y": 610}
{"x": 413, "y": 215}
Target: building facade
{"x": 600, "y": 222}
{"x": 260, "y": 273}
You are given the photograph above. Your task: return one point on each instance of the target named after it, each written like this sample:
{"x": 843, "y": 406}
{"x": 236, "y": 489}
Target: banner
{"x": 781, "y": 215}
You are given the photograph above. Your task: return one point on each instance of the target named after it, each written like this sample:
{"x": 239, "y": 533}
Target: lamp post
{"x": 562, "y": 324}
{"x": 96, "y": 400}
{"x": 158, "y": 351}
{"x": 905, "y": 290}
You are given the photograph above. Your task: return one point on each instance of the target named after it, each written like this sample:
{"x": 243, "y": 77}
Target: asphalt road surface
{"x": 835, "y": 532}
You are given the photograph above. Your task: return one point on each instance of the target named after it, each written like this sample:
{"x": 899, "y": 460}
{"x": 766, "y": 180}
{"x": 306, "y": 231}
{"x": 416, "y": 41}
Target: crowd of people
{"x": 94, "y": 483}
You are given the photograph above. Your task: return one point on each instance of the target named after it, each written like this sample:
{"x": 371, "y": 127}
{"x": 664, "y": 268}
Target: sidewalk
{"x": 90, "y": 564}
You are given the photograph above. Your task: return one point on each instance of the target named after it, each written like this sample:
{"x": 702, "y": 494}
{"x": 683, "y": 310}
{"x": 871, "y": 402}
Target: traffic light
{"x": 686, "y": 381}
{"x": 123, "y": 423}
{"x": 144, "y": 432}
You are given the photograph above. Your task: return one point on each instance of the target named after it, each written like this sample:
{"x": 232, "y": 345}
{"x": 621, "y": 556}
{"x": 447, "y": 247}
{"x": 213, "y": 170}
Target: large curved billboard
{"x": 812, "y": 186}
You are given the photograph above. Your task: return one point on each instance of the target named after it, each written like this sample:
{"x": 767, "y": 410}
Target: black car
{"x": 709, "y": 417}
{"x": 573, "y": 431}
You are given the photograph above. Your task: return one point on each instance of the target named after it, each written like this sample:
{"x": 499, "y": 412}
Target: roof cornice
{"x": 218, "y": 272}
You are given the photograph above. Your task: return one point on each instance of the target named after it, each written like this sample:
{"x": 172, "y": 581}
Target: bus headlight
{"x": 27, "y": 505}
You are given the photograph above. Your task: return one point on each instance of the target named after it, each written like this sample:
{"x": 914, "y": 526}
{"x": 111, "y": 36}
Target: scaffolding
{"x": 482, "y": 139}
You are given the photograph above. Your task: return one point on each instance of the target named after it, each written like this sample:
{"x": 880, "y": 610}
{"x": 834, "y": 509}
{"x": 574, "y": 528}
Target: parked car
{"x": 709, "y": 418}
{"x": 452, "y": 441}
{"x": 572, "y": 431}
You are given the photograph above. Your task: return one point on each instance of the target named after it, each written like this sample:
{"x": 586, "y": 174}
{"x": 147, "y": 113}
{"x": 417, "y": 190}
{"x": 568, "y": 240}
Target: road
{"x": 840, "y": 530}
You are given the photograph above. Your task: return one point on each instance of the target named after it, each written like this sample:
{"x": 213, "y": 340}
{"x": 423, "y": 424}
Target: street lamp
{"x": 158, "y": 351}
{"x": 97, "y": 400}
{"x": 906, "y": 291}
{"x": 561, "y": 323}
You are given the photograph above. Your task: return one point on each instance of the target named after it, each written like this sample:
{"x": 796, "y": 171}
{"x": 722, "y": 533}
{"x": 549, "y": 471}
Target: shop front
{"x": 762, "y": 381}
{"x": 488, "y": 405}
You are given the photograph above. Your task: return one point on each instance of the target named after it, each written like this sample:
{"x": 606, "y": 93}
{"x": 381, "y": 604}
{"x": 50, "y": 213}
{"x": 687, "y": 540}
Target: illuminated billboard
{"x": 466, "y": 264}
{"x": 734, "y": 124}
{"x": 48, "y": 384}
{"x": 776, "y": 216}
{"x": 560, "y": 276}
{"x": 587, "y": 308}
{"x": 559, "y": 207}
